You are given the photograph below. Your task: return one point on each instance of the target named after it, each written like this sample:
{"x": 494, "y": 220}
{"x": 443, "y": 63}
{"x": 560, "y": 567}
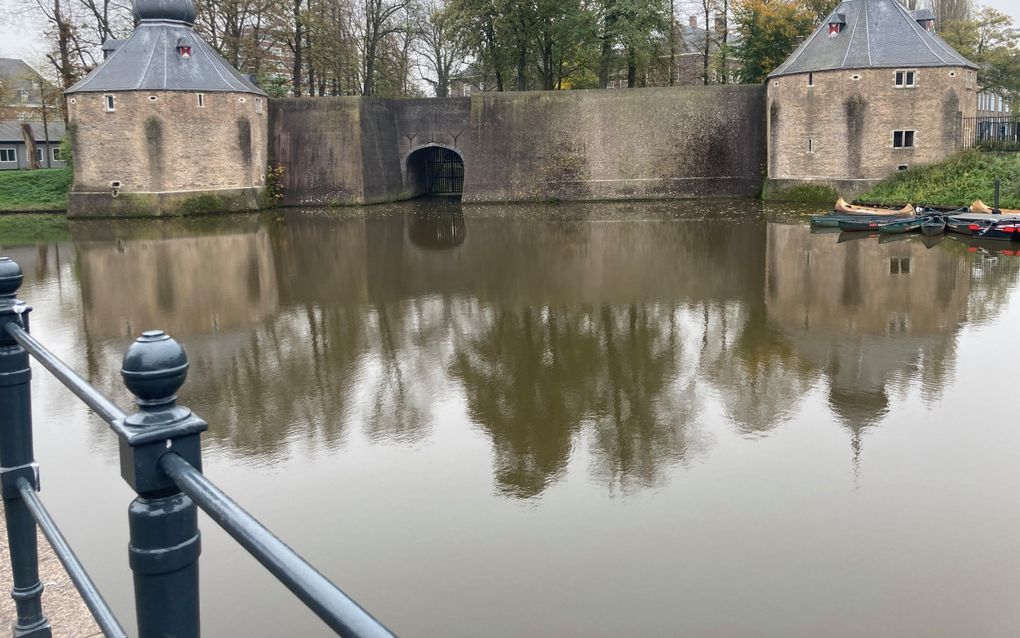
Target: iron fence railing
{"x": 992, "y": 133}
{"x": 161, "y": 459}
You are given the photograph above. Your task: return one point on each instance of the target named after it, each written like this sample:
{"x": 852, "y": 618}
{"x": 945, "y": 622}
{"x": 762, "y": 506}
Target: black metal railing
{"x": 161, "y": 459}
{"x": 991, "y": 133}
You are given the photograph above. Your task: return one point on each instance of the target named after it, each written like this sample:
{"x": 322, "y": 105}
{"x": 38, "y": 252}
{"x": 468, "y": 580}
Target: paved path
{"x": 68, "y": 615}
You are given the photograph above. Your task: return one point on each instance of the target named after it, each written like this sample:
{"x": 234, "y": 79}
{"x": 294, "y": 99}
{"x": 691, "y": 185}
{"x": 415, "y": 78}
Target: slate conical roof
{"x": 876, "y": 34}
{"x": 150, "y": 59}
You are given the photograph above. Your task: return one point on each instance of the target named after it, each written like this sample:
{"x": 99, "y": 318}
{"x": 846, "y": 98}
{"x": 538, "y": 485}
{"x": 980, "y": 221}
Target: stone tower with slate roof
{"x": 164, "y": 125}
{"x": 873, "y": 90}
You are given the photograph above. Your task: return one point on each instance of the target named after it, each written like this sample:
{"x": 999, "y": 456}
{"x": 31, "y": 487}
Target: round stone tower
{"x": 165, "y": 126}
{"x": 872, "y": 91}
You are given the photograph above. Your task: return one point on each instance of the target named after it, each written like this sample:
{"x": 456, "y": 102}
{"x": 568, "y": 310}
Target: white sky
{"x": 20, "y": 30}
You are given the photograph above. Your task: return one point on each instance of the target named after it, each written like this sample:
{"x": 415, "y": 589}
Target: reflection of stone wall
{"x": 187, "y": 286}
{"x": 525, "y": 258}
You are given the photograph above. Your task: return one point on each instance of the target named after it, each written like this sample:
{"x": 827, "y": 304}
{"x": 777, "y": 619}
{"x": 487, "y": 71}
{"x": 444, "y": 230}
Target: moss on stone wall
{"x": 810, "y": 193}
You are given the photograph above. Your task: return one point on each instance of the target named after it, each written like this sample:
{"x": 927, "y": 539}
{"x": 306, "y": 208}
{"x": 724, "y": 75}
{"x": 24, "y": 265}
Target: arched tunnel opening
{"x": 435, "y": 171}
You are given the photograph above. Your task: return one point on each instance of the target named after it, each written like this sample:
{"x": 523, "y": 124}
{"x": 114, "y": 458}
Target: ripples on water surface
{"x": 692, "y": 419}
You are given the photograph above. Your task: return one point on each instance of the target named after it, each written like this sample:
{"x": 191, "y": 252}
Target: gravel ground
{"x": 68, "y": 615}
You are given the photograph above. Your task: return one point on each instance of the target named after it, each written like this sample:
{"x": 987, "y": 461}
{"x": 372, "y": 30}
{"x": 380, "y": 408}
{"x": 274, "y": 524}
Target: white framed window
{"x": 109, "y": 103}
{"x": 855, "y": 77}
{"x": 952, "y": 74}
{"x": 200, "y": 100}
{"x": 39, "y": 157}
{"x": 8, "y": 155}
{"x": 258, "y": 105}
{"x": 903, "y": 139}
{"x": 906, "y": 78}
{"x": 56, "y": 154}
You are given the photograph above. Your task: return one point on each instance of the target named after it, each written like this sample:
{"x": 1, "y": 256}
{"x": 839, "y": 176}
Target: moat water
{"x": 683, "y": 419}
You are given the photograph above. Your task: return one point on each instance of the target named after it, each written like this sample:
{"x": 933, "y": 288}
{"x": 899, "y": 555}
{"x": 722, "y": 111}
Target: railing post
{"x": 165, "y": 542}
{"x": 17, "y": 459}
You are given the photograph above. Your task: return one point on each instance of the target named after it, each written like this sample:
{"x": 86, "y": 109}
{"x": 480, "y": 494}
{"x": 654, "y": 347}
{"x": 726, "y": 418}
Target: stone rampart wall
{"x": 571, "y": 145}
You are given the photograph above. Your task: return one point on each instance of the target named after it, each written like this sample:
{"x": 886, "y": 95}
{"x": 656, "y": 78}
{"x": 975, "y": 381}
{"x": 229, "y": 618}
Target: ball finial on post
{"x": 11, "y": 278}
{"x": 154, "y": 368}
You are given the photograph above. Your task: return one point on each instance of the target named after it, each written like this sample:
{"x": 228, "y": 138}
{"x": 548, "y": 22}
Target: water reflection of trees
{"x": 610, "y": 335}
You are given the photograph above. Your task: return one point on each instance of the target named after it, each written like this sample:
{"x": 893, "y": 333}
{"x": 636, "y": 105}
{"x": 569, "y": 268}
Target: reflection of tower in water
{"x": 873, "y": 318}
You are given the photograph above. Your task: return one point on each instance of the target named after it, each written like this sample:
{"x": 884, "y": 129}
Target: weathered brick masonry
{"x": 164, "y": 150}
{"x": 839, "y": 132}
{"x": 530, "y": 146}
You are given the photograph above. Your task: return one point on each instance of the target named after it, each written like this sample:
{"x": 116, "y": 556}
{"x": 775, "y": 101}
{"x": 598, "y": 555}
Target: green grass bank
{"x": 39, "y": 190}
{"x": 954, "y": 182}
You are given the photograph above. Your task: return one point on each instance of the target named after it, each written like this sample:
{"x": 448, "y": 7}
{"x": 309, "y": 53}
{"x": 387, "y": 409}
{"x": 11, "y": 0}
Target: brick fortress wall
{"x": 569, "y": 145}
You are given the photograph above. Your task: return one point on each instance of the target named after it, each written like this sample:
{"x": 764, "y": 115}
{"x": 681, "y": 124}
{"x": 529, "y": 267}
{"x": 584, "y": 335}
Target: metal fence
{"x": 998, "y": 133}
{"x": 161, "y": 459}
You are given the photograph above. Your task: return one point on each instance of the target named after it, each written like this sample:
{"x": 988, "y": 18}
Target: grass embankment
{"x": 39, "y": 190}
{"x": 954, "y": 182}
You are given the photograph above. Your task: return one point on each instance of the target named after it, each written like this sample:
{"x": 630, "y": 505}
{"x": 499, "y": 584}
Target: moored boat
{"x": 850, "y": 209}
{"x": 832, "y": 220}
{"x": 871, "y": 223}
{"x": 1001, "y": 229}
{"x": 980, "y": 207}
{"x": 933, "y": 226}
{"x": 961, "y": 226}
{"x": 905, "y": 225}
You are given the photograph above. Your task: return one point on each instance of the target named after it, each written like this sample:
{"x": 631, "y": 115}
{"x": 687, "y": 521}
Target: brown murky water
{"x": 605, "y": 420}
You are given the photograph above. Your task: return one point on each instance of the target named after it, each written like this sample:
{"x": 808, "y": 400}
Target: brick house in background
{"x": 872, "y": 91}
{"x": 22, "y": 102}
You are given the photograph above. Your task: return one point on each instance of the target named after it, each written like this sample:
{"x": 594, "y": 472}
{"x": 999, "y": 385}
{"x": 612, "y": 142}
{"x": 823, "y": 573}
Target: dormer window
{"x": 836, "y": 23}
{"x": 183, "y": 48}
{"x": 925, "y": 18}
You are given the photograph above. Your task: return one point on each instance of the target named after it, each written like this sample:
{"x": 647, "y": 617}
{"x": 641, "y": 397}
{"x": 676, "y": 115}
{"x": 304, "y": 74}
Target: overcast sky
{"x": 20, "y": 32}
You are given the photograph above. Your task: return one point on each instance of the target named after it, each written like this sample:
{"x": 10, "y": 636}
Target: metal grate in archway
{"x": 444, "y": 172}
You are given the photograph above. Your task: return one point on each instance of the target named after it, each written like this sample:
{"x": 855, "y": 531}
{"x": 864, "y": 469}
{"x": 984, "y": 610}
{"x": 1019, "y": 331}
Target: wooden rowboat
{"x": 934, "y": 226}
{"x": 902, "y": 225}
{"x": 849, "y": 209}
{"x": 980, "y": 207}
{"x": 960, "y": 226}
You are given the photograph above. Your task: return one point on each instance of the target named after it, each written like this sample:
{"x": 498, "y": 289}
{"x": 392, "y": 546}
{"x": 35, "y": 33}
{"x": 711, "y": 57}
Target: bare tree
{"x": 951, "y": 11}
{"x": 437, "y": 46}
{"x": 381, "y": 18}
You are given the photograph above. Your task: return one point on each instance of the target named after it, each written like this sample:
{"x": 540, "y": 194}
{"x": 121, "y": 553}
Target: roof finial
{"x": 177, "y": 10}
